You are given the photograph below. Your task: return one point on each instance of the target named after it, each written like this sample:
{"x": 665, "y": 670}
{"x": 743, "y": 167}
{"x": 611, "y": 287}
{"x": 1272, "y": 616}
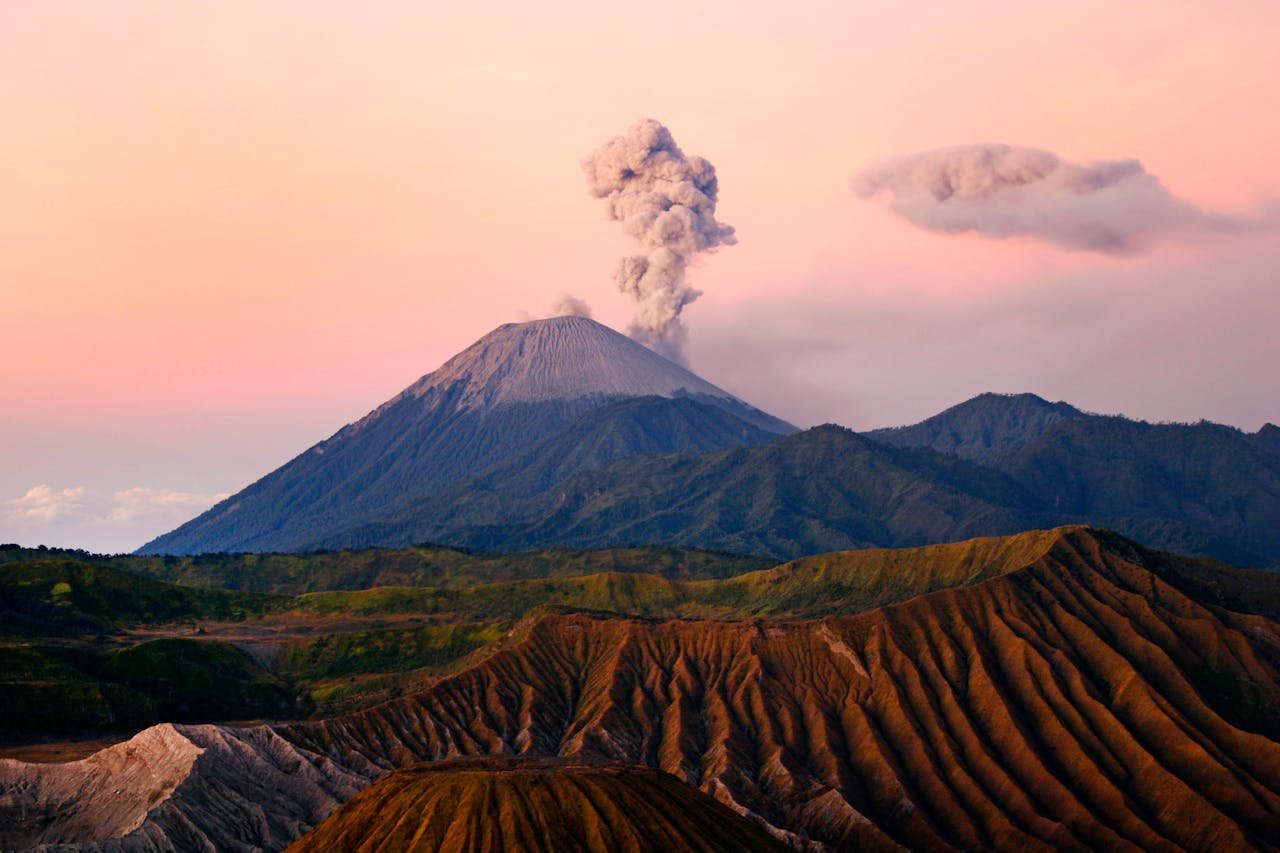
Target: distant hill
{"x": 58, "y": 596}
{"x": 1195, "y": 488}
{"x": 983, "y": 427}
{"x": 417, "y": 565}
{"x": 510, "y": 390}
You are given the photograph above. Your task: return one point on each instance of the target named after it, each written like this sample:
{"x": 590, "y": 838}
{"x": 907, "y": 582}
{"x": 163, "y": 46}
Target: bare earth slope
{"x": 489, "y": 805}
{"x": 1077, "y": 701}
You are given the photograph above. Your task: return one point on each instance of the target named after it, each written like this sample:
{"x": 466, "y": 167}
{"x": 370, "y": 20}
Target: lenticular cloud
{"x": 1115, "y": 207}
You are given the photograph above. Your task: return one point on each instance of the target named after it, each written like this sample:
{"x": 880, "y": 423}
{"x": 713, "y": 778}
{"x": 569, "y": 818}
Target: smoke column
{"x": 667, "y": 202}
{"x": 570, "y": 306}
{"x": 1114, "y": 207}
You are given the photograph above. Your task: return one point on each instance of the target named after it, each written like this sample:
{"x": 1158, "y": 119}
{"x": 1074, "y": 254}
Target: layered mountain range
{"x": 1054, "y": 690}
{"x": 562, "y": 432}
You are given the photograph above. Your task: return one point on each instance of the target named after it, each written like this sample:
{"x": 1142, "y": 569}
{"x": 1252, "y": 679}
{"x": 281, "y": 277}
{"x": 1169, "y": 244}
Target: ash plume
{"x": 667, "y": 202}
{"x": 570, "y": 306}
{"x": 1115, "y": 207}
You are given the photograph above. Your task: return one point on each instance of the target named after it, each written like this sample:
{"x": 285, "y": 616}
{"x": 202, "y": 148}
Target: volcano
{"x": 566, "y": 378}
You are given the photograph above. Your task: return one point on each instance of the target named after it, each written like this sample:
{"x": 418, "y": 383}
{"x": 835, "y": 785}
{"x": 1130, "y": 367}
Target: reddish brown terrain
{"x": 1071, "y": 696}
{"x": 488, "y": 805}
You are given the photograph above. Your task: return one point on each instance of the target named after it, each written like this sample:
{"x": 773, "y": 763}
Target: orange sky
{"x": 227, "y": 229}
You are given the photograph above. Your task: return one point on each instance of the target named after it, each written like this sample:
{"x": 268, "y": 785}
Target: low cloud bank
{"x": 77, "y": 516}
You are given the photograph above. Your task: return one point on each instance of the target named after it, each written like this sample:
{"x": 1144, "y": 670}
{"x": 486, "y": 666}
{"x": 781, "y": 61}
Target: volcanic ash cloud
{"x": 667, "y": 202}
{"x": 1115, "y": 207}
{"x": 568, "y": 305}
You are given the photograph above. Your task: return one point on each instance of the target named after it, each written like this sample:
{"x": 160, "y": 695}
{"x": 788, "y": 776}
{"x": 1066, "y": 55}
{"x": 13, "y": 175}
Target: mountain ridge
{"x": 982, "y": 426}
{"x": 822, "y": 489}
{"x": 528, "y": 439}
{"x": 489, "y": 804}
{"x": 512, "y": 388}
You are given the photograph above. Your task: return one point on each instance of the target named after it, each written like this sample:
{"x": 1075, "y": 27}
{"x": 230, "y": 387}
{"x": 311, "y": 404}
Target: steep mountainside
{"x": 639, "y": 427}
{"x": 987, "y": 425}
{"x": 653, "y": 470}
{"x": 1080, "y": 700}
{"x": 1268, "y": 438}
{"x": 820, "y": 490}
{"x": 491, "y": 806}
{"x": 1197, "y": 488}
{"x": 511, "y": 389}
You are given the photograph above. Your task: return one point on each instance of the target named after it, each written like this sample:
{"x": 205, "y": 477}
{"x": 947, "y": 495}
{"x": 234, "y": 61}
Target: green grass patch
{"x": 359, "y": 652}
{"x": 419, "y": 566}
{"x": 74, "y": 596}
{"x": 192, "y": 680}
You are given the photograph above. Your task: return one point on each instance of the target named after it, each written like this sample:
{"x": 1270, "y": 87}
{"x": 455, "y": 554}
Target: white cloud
{"x": 1114, "y": 207}
{"x": 140, "y": 502}
{"x": 82, "y": 517}
{"x": 44, "y": 505}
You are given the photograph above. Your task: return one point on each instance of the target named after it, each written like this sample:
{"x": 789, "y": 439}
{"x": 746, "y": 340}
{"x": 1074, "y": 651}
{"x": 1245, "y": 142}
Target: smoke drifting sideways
{"x": 571, "y": 306}
{"x": 1113, "y": 207}
{"x": 667, "y": 202}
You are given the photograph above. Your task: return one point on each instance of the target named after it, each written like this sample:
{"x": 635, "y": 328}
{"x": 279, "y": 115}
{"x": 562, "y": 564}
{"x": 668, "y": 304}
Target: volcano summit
{"x": 523, "y": 383}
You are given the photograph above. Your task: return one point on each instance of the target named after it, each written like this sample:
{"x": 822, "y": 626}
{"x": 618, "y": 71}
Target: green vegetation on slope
{"x": 355, "y": 669}
{"x": 1202, "y": 488}
{"x": 421, "y": 565}
{"x": 841, "y": 582}
{"x": 68, "y": 596}
{"x": 358, "y": 652}
{"x": 56, "y": 690}
{"x": 853, "y": 581}
{"x": 192, "y": 680}
{"x": 344, "y": 650}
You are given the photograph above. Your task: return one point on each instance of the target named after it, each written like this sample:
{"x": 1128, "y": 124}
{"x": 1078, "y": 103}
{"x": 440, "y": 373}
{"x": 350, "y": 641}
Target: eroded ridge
{"x": 174, "y": 788}
{"x": 1079, "y": 702}
{"x": 490, "y": 804}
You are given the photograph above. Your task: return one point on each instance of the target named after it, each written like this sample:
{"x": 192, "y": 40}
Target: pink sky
{"x": 227, "y": 229}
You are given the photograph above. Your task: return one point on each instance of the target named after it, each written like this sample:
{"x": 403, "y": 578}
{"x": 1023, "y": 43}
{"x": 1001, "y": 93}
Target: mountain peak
{"x": 568, "y": 385}
{"x": 983, "y": 426}
{"x": 992, "y": 400}
{"x": 560, "y": 358}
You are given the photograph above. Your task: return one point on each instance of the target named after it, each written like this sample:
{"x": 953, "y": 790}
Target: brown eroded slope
{"x": 551, "y": 805}
{"x": 1080, "y": 702}
{"x": 1083, "y": 700}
